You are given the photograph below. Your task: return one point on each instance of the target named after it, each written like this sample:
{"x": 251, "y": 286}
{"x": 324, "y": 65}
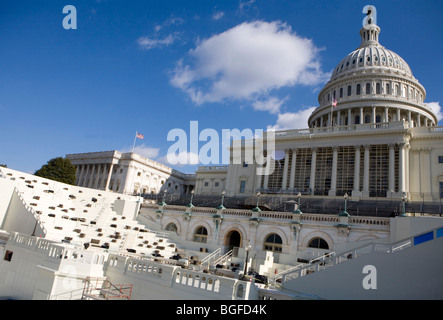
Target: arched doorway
{"x": 233, "y": 239}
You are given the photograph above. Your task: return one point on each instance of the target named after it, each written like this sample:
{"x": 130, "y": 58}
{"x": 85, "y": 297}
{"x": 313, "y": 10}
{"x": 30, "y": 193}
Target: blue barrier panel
{"x": 423, "y": 238}
{"x": 439, "y": 233}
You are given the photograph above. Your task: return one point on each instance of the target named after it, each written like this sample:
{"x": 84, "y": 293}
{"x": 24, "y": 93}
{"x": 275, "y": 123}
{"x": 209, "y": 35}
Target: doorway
{"x": 232, "y": 240}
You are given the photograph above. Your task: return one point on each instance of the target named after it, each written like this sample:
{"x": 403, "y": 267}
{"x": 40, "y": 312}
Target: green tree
{"x": 58, "y": 169}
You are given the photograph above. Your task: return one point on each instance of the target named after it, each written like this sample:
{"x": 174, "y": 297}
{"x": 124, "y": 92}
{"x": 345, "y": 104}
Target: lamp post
{"x": 344, "y": 213}
{"x": 190, "y": 205}
{"x": 248, "y": 248}
{"x": 164, "y": 197}
{"x": 257, "y": 209}
{"x": 298, "y": 203}
{"x": 221, "y": 207}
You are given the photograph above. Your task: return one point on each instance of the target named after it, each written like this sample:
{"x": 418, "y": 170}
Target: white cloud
{"x": 245, "y": 4}
{"x": 150, "y": 43}
{"x": 271, "y": 104}
{"x": 218, "y": 15}
{"x": 292, "y": 120}
{"x": 247, "y": 62}
{"x": 144, "y": 151}
{"x": 436, "y": 108}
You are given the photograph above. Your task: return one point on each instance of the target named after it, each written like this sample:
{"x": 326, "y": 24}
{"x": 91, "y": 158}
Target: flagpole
{"x": 135, "y": 138}
{"x": 332, "y": 101}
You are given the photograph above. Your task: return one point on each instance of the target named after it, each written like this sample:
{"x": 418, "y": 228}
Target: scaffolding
{"x": 103, "y": 289}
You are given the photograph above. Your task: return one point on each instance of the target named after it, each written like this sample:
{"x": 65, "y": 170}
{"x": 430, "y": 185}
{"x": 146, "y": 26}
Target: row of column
{"x": 415, "y": 119}
{"x": 403, "y": 176}
{"x": 90, "y": 174}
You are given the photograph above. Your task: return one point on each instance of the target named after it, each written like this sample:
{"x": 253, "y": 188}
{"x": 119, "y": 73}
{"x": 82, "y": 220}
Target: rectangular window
{"x": 242, "y": 186}
{"x": 440, "y": 159}
{"x": 206, "y": 184}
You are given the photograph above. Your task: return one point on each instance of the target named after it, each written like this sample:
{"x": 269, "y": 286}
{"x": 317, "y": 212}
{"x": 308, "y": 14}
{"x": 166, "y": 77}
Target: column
{"x": 332, "y": 191}
{"x": 362, "y": 116}
{"x": 391, "y": 169}
{"x": 85, "y": 175}
{"x": 401, "y": 169}
{"x": 91, "y": 178}
{"x": 425, "y": 173}
{"x": 373, "y": 115}
{"x": 285, "y": 171}
{"x": 356, "y": 191}
{"x": 386, "y": 114}
{"x": 293, "y": 163}
{"x": 338, "y": 118}
{"x": 313, "y": 167}
{"x": 95, "y": 185}
{"x": 366, "y": 173}
{"x": 418, "y": 120}
{"x": 407, "y": 147}
{"x": 267, "y": 168}
{"x": 258, "y": 181}
{"x": 398, "y": 115}
{"x": 82, "y": 173}
{"x": 349, "y": 117}
{"x": 111, "y": 166}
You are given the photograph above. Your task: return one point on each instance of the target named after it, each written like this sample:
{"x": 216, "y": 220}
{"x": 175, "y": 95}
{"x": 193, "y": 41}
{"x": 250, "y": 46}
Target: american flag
{"x": 334, "y": 102}
{"x": 139, "y": 135}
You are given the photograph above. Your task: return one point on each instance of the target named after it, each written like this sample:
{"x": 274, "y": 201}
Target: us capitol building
{"x": 380, "y": 141}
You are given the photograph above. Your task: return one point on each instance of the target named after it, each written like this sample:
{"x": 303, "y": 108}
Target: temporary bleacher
{"x": 85, "y": 217}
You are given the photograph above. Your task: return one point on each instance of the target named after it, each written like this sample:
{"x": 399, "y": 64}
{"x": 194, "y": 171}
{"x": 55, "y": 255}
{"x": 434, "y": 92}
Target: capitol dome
{"x": 372, "y": 85}
{"x": 370, "y": 54}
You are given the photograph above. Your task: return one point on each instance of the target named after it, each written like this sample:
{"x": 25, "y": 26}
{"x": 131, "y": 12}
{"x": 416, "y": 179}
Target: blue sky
{"x": 152, "y": 66}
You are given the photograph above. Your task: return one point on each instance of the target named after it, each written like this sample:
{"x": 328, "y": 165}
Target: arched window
{"x": 388, "y": 89}
{"x": 368, "y": 88}
{"x": 201, "y": 235}
{"x": 318, "y": 243}
{"x": 341, "y": 92}
{"x": 357, "y": 119}
{"x": 171, "y": 227}
{"x": 358, "y": 89}
{"x": 349, "y": 90}
{"x": 367, "y": 118}
{"x": 377, "y": 88}
{"x": 273, "y": 242}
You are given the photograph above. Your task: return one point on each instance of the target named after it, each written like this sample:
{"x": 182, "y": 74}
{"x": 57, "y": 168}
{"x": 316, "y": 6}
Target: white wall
{"x": 413, "y": 273}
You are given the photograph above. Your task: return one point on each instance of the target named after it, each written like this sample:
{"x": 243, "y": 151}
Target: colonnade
{"x": 97, "y": 175}
{"x": 397, "y": 177}
{"x": 374, "y": 114}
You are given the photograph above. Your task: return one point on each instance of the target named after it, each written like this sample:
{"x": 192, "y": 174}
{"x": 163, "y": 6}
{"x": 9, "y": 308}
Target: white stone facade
{"x": 380, "y": 140}
{"x": 128, "y": 173}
